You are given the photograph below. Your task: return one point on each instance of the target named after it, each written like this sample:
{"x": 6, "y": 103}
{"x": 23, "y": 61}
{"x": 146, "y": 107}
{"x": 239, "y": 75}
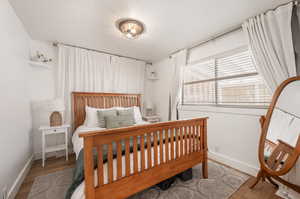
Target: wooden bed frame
{"x": 184, "y": 148}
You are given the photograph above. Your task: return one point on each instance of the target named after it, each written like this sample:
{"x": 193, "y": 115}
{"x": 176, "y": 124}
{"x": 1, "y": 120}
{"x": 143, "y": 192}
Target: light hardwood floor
{"x": 261, "y": 191}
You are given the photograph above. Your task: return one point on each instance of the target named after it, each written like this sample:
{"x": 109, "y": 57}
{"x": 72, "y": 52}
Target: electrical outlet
{"x": 4, "y": 193}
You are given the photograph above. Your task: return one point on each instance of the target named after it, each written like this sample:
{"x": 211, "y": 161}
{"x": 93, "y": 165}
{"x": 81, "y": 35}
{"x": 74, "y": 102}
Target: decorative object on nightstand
{"x": 152, "y": 119}
{"x": 57, "y": 107}
{"x": 149, "y": 108}
{"x": 48, "y": 130}
{"x": 55, "y": 119}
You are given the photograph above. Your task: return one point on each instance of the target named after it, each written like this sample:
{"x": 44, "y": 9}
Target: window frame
{"x": 216, "y": 79}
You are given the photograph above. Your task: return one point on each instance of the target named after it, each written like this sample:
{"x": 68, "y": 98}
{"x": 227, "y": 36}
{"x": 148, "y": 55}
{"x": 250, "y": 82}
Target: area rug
{"x": 221, "y": 184}
{"x": 51, "y": 186}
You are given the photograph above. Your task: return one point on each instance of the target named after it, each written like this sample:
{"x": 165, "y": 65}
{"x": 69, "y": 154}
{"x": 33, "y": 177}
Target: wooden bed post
{"x": 89, "y": 168}
{"x": 204, "y": 138}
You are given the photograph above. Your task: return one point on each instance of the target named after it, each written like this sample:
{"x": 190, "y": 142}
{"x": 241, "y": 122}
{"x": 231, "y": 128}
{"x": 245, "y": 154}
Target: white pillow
{"x": 91, "y": 116}
{"x": 137, "y": 114}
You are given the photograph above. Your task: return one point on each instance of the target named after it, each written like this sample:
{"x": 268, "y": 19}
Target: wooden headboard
{"x": 100, "y": 100}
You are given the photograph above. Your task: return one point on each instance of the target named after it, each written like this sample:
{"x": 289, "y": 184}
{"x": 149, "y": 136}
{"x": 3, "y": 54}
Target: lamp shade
{"x": 49, "y": 105}
{"x": 149, "y": 104}
{"x": 57, "y": 105}
{"x": 48, "y": 109}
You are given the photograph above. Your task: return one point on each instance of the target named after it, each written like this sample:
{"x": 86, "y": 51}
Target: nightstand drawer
{"x": 54, "y": 131}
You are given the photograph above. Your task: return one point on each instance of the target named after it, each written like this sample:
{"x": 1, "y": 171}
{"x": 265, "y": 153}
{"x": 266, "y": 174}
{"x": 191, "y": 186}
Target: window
{"x": 226, "y": 80}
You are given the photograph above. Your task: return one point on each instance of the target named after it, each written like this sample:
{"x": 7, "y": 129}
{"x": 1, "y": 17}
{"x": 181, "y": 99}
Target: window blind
{"x": 198, "y": 87}
{"x": 227, "y": 80}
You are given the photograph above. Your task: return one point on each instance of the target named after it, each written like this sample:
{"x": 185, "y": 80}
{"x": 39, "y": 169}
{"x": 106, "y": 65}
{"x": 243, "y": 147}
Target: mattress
{"x": 78, "y": 145}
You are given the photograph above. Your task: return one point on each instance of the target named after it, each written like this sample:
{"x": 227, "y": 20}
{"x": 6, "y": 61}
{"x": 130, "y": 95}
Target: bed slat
{"x": 185, "y": 141}
{"x": 100, "y": 165}
{"x": 155, "y": 148}
{"x": 177, "y": 143}
{"x": 190, "y": 139}
{"x": 161, "y": 150}
{"x": 194, "y": 138}
{"x": 181, "y": 142}
{"x": 142, "y": 146}
{"x": 110, "y": 162}
{"x": 135, "y": 155}
{"x": 149, "y": 154}
{"x": 172, "y": 143}
{"x": 167, "y": 155}
{"x": 197, "y": 137}
{"x": 127, "y": 156}
{"x": 119, "y": 160}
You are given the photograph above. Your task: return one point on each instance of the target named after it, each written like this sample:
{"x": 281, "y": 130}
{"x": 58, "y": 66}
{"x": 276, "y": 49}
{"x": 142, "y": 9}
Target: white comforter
{"x": 77, "y": 141}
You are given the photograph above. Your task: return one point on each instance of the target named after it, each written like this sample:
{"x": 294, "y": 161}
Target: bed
{"x": 137, "y": 157}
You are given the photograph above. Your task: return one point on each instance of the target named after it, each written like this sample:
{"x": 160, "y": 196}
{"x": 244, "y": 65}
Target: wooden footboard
{"x": 159, "y": 152}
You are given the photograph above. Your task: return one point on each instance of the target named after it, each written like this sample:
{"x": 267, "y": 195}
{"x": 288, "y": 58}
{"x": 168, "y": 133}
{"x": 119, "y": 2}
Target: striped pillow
{"x": 105, "y": 113}
{"x": 128, "y": 113}
{"x": 119, "y": 121}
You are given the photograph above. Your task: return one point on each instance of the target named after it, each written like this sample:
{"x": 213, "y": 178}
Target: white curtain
{"x": 90, "y": 71}
{"x": 296, "y": 37}
{"x": 178, "y": 64}
{"x": 297, "y": 48}
{"x": 270, "y": 40}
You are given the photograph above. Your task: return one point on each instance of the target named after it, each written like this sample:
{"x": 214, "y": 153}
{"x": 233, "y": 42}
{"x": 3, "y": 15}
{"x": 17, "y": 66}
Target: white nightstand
{"x": 47, "y": 130}
{"x": 152, "y": 118}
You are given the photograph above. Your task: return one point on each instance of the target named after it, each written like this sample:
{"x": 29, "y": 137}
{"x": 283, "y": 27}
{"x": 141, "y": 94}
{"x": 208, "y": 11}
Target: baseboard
{"x": 21, "y": 177}
{"x": 236, "y": 164}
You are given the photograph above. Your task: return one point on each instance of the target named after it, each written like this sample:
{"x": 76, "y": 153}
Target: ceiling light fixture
{"x": 131, "y": 28}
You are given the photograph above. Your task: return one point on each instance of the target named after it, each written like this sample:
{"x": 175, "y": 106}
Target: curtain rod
{"x": 295, "y": 2}
{"x": 210, "y": 38}
{"x": 230, "y": 30}
{"x": 233, "y": 29}
{"x": 99, "y": 51}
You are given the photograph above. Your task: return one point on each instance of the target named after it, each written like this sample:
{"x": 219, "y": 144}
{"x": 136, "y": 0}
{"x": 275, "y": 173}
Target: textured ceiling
{"x": 170, "y": 24}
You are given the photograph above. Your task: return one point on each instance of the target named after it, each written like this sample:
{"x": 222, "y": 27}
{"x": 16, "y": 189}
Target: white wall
{"x": 15, "y": 144}
{"x": 42, "y": 87}
{"x": 42, "y": 80}
{"x": 160, "y": 88}
{"x": 233, "y": 133}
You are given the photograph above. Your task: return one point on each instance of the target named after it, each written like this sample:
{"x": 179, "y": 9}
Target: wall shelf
{"x": 40, "y": 64}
